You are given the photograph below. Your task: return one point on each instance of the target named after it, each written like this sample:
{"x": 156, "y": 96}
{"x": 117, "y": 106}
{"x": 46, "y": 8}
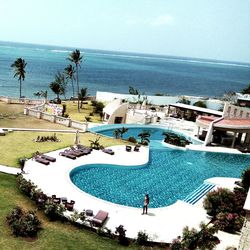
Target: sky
{"x": 213, "y": 29}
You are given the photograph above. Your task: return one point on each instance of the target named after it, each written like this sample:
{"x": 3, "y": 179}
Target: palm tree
{"x": 19, "y": 69}
{"x": 58, "y": 86}
{"x": 123, "y": 130}
{"x": 76, "y": 58}
{"x": 83, "y": 95}
{"x": 144, "y": 135}
{"x": 70, "y": 74}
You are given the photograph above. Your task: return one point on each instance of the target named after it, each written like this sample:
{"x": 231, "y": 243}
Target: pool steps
{"x": 198, "y": 193}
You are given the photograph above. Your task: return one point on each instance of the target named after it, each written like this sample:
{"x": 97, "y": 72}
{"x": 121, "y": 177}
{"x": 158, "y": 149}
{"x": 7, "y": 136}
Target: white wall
{"x": 157, "y": 100}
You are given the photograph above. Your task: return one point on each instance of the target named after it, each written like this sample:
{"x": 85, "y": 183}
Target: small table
{"x": 89, "y": 212}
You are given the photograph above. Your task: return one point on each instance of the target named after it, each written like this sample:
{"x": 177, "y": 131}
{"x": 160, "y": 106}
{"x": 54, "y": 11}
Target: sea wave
{"x": 60, "y": 51}
{"x": 7, "y": 47}
{"x": 171, "y": 59}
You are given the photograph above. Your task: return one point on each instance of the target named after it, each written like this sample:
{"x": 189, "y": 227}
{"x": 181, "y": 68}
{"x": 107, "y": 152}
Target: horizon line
{"x": 129, "y": 52}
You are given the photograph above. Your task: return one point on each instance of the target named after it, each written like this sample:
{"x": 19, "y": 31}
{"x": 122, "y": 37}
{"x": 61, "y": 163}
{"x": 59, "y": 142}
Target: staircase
{"x": 197, "y": 194}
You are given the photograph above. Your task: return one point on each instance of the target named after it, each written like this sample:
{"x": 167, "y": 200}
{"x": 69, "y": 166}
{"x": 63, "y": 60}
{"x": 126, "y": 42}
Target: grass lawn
{"x": 11, "y": 116}
{"x": 71, "y": 109}
{"x": 54, "y": 235}
{"x": 15, "y": 145}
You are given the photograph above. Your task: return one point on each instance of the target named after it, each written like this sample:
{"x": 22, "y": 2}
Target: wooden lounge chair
{"x": 41, "y": 160}
{"x": 68, "y": 155}
{"x": 48, "y": 158}
{"x": 81, "y": 147}
{"x": 100, "y": 218}
{"x": 108, "y": 151}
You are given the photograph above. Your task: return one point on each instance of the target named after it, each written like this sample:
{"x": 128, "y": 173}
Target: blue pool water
{"x": 170, "y": 175}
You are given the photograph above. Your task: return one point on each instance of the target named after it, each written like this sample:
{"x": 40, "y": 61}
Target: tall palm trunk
{"x": 73, "y": 87}
{"x": 20, "y": 87}
{"x": 78, "y": 90}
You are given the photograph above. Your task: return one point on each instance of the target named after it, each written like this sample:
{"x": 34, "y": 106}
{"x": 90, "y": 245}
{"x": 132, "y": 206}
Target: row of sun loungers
{"x": 42, "y": 199}
{"x": 98, "y": 220}
{"x": 73, "y": 152}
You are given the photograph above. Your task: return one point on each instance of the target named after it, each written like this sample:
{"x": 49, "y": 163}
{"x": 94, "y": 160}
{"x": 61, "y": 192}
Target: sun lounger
{"x": 137, "y": 148}
{"x": 74, "y": 152}
{"x": 108, "y": 151}
{"x": 48, "y": 158}
{"x": 100, "y": 218}
{"x": 68, "y": 155}
{"x": 41, "y": 160}
{"x": 81, "y": 151}
{"x": 81, "y": 147}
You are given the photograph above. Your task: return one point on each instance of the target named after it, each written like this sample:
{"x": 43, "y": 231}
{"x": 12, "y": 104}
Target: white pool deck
{"x": 161, "y": 224}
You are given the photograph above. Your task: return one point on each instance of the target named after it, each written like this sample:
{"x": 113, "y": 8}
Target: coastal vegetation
{"x": 58, "y": 86}
{"x": 70, "y": 75}
{"x": 76, "y": 58}
{"x": 19, "y": 70}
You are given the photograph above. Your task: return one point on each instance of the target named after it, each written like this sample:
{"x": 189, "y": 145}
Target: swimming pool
{"x": 170, "y": 175}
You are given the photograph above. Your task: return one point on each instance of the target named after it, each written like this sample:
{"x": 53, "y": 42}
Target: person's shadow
{"x": 150, "y": 214}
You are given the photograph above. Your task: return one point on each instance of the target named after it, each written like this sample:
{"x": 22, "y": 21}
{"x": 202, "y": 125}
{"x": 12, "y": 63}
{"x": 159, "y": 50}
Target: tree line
{"x": 58, "y": 86}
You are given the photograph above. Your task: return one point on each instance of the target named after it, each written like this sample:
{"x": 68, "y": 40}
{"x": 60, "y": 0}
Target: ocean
{"x": 115, "y": 71}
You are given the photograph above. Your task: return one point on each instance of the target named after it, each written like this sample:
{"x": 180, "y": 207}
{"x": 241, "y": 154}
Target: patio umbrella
{"x": 77, "y": 138}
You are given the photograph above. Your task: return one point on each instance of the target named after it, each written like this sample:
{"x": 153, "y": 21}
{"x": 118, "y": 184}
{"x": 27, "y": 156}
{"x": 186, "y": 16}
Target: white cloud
{"x": 154, "y": 22}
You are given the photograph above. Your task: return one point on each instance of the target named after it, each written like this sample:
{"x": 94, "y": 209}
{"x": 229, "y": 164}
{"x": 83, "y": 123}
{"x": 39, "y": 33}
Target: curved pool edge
{"x": 172, "y": 218}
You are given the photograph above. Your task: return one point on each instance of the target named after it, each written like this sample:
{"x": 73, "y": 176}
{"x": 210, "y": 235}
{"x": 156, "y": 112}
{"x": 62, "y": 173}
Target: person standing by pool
{"x": 145, "y": 204}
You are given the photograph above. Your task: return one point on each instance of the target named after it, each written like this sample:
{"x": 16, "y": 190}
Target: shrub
{"x": 82, "y": 216}
{"x": 54, "y": 211}
{"x": 193, "y": 239}
{"x": 142, "y": 238}
{"x": 93, "y": 102}
{"x": 98, "y": 107}
{"x": 25, "y": 186}
{"x": 200, "y": 104}
{"x": 176, "y": 244}
{"x": 25, "y": 224}
{"x": 184, "y": 100}
{"x": 74, "y": 216}
{"x": 239, "y": 199}
{"x": 245, "y": 178}
{"x": 229, "y": 222}
{"x": 91, "y": 114}
{"x": 220, "y": 200}
{"x": 132, "y": 139}
{"x": 122, "y": 235}
{"x": 88, "y": 119}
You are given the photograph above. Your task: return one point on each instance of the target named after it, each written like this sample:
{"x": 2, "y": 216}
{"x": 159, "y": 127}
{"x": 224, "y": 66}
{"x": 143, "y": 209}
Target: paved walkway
{"x": 9, "y": 170}
{"x": 162, "y": 224}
